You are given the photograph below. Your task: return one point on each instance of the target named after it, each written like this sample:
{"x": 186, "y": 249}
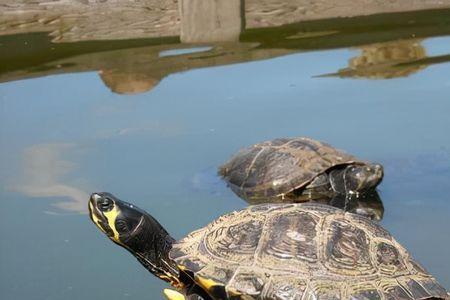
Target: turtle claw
{"x": 173, "y": 295}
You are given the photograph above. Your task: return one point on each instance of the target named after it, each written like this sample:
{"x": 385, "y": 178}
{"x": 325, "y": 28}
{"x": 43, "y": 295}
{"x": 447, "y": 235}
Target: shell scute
{"x": 363, "y": 291}
{"x": 434, "y": 289}
{"x": 347, "y": 249}
{"x": 247, "y": 282}
{"x": 367, "y": 295}
{"x": 375, "y": 229}
{"x": 193, "y": 264}
{"x": 271, "y": 168}
{"x": 326, "y": 290}
{"x": 215, "y": 275}
{"x": 389, "y": 259}
{"x": 235, "y": 243}
{"x": 397, "y": 292}
{"x": 284, "y": 288}
{"x": 291, "y": 242}
{"x": 240, "y": 166}
{"x": 414, "y": 288}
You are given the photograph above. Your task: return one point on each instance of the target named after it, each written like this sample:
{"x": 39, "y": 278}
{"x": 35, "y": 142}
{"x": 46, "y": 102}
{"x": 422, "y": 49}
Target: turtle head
{"x": 364, "y": 177}
{"x": 120, "y": 221}
{"x": 137, "y": 231}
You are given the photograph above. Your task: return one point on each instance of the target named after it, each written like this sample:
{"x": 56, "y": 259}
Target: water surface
{"x": 152, "y": 128}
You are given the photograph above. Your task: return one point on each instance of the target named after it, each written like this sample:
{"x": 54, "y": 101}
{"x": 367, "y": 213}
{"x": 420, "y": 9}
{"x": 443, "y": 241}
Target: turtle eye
{"x": 105, "y": 204}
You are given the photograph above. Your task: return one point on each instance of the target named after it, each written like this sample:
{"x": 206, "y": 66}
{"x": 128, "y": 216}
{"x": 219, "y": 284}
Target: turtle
{"x": 297, "y": 169}
{"x": 275, "y": 251}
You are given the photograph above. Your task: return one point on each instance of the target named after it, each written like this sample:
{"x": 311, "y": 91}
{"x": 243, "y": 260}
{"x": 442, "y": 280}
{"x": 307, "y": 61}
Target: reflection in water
{"x": 386, "y": 53}
{"x": 43, "y": 173}
{"x": 136, "y": 70}
{"x": 369, "y": 205}
{"x": 127, "y": 83}
{"x": 386, "y": 60}
{"x": 176, "y": 52}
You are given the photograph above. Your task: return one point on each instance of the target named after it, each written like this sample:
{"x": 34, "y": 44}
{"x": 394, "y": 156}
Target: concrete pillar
{"x": 211, "y": 20}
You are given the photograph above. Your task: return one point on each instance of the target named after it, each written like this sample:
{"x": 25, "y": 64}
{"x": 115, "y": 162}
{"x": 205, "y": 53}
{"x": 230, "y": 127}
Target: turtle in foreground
{"x": 270, "y": 252}
{"x": 297, "y": 169}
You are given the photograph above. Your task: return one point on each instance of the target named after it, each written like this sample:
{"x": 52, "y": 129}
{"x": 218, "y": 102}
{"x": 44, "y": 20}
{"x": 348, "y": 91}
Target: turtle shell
{"x": 275, "y": 168}
{"x": 301, "y": 251}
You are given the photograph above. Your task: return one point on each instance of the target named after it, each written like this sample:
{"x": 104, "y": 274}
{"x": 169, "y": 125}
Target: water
{"x": 152, "y": 130}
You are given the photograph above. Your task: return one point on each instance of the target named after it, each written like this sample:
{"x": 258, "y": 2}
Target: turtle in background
{"x": 270, "y": 252}
{"x": 298, "y": 169}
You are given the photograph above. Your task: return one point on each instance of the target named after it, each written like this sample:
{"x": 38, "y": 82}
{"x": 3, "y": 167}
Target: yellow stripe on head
{"x": 111, "y": 216}
{"x": 173, "y": 295}
{"x": 94, "y": 217}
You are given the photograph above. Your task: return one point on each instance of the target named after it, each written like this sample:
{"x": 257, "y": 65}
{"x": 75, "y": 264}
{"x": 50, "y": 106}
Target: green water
{"x": 118, "y": 116}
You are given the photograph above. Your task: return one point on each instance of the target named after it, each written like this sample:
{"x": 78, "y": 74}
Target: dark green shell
{"x": 275, "y": 168}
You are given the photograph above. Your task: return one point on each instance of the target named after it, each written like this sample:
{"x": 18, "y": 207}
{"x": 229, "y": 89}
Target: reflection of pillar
{"x": 127, "y": 83}
{"x": 211, "y": 20}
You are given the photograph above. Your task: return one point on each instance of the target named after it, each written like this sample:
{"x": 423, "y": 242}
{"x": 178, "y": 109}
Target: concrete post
{"x": 211, "y": 20}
